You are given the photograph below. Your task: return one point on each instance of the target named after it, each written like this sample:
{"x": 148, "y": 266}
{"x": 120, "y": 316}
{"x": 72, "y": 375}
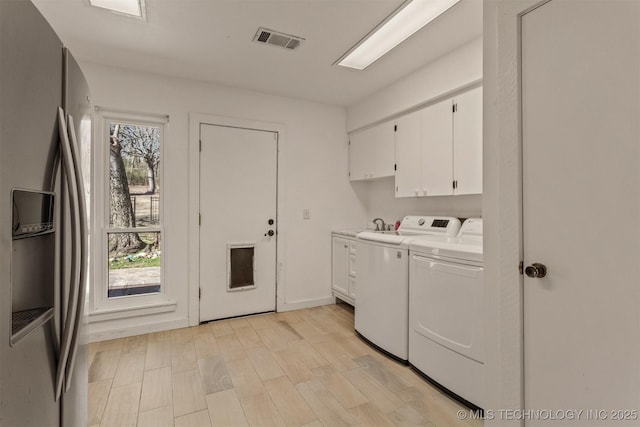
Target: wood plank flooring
{"x": 298, "y": 368}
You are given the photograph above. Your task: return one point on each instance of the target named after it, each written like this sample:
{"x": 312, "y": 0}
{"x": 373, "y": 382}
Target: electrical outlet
{"x": 306, "y": 214}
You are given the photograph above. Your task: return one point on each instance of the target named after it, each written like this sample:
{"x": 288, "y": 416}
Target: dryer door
{"x": 446, "y": 302}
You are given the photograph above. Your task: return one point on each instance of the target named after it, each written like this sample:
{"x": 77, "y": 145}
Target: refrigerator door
{"x": 77, "y": 106}
{"x": 77, "y": 103}
{"x": 30, "y": 93}
{"x": 71, "y": 287}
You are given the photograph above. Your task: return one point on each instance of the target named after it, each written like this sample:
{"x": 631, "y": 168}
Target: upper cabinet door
{"x": 408, "y": 155}
{"x": 437, "y": 149}
{"x": 467, "y": 142}
{"x": 371, "y": 152}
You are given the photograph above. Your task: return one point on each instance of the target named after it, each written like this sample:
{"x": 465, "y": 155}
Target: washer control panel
{"x": 416, "y": 224}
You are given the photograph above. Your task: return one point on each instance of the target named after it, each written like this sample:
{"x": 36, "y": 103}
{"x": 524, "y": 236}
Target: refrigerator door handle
{"x": 83, "y": 231}
{"x": 69, "y": 319}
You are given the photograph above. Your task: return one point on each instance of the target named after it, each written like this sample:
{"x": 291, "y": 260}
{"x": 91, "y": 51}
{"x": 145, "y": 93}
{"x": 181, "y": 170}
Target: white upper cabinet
{"x": 371, "y": 152}
{"x": 408, "y": 162}
{"x": 467, "y": 142}
{"x": 437, "y": 149}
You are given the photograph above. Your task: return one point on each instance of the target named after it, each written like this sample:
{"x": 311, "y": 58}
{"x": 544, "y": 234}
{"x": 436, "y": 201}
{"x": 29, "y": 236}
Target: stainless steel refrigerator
{"x": 45, "y": 137}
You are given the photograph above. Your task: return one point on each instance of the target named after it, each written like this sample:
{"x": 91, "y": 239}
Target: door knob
{"x": 270, "y": 221}
{"x": 536, "y": 270}
{"x": 269, "y": 233}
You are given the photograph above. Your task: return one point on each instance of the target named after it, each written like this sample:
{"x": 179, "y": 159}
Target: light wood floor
{"x": 299, "y": 368}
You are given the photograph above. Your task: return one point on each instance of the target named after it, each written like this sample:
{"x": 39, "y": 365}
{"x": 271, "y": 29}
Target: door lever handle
{"x": 269, "y": 233}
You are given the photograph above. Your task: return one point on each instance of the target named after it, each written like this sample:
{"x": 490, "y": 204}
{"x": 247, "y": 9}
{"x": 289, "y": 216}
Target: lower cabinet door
{"x": 352, "y": 287}
{"x": 340, "y": 265}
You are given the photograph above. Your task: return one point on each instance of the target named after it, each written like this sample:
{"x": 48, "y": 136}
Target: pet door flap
{"x": 240, "y": 266}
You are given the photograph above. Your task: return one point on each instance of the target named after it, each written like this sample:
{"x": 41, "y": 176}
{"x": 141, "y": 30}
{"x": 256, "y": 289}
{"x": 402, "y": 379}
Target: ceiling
{"x": 211, "y": 40}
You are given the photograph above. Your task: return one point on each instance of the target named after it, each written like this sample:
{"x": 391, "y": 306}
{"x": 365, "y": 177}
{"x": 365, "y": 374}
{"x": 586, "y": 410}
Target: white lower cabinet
{"x": 343, "y": 258}
{"x": 352, "y": 270}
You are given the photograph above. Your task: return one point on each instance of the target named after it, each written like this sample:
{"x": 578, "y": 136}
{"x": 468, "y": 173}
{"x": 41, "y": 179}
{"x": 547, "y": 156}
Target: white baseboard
{"x": 297, "y": 305}
{"x": 110, "y": 334}
{"x": 120, "y": 332}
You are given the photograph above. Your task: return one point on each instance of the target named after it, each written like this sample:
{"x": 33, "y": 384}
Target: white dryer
{"x": 382, "y": 280}
{"x": 446, "y": 335}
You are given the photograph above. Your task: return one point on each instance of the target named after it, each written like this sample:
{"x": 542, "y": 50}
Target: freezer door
{"x": 30, "y": 93}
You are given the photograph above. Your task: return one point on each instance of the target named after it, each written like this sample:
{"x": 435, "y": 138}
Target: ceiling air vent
{"x": 275, "y": 38}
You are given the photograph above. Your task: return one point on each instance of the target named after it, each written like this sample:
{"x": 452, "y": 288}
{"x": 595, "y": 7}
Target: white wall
{"x": 445, "y": 76}
{"x": 379, "y": 200}
{"x": 449, "y": 73}
{"x": 313, "y": 174}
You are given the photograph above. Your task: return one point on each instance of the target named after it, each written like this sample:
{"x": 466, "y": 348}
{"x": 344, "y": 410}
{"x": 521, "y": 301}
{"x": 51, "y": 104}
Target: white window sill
{"x": 132, "y": 311}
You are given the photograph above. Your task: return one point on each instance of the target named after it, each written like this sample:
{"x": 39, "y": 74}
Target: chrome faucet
{"x": 381, "y": 226}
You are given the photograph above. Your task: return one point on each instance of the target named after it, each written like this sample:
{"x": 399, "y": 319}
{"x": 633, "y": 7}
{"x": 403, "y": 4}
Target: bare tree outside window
{"x": 142, "y": 143}
{"x": 134, "y": 202}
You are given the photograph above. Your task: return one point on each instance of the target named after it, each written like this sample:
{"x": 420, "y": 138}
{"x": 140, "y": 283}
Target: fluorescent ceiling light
{"x": 404, "y": 22}
{"x": 126, "y": 7}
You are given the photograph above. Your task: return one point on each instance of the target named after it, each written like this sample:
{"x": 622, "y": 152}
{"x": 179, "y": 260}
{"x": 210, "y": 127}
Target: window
{"x": 130, "y": 248}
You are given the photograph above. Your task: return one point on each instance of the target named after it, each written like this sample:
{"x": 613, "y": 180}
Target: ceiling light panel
{"x": 408, "y": 19}
{"x": 127, "y": 7}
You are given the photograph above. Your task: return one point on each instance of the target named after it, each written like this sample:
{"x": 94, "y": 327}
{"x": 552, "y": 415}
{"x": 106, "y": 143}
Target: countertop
{"x": 348, "y": 233}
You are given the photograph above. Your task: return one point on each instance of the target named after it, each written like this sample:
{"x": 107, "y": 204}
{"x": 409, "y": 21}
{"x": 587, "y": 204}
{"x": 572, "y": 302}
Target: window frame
{"x": 101, "y": 307}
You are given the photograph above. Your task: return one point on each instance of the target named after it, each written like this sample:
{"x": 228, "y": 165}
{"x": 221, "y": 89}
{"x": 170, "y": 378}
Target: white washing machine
{"x": 446, "y": 335}
{"x": 382, "y": 280}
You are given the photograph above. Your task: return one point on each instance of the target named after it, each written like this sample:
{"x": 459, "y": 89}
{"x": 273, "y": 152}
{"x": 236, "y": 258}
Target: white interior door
{"x": 581, "y": 210}
{"x": 238, "y": 193}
